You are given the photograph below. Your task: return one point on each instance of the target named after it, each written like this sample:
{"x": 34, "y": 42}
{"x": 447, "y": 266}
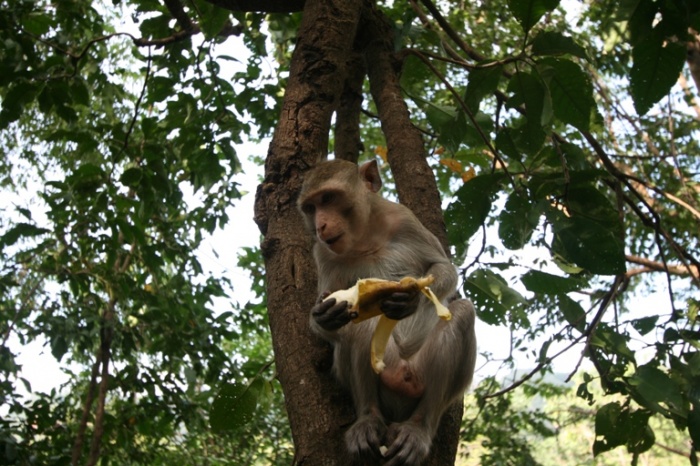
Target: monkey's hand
{"x": 331, "y": 315}
{"x": 400, "y": 305}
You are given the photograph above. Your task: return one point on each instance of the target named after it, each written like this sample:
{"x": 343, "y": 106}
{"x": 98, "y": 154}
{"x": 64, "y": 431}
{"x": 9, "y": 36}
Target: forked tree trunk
{"x": 324, "y": 78}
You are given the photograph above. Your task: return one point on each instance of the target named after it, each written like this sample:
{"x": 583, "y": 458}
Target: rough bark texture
{"x": 348, "y": 144}
{"x": 317, "y": 411}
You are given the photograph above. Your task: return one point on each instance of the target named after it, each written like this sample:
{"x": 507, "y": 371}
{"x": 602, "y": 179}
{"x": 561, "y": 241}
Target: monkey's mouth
{"x": 331, "y": 241}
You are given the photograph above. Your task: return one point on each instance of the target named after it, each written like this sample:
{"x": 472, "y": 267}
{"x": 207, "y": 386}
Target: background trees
{"x": 562, "y": 136}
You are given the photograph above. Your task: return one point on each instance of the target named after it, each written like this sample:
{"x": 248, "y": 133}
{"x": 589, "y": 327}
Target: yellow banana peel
{"x": 365, "y": 298}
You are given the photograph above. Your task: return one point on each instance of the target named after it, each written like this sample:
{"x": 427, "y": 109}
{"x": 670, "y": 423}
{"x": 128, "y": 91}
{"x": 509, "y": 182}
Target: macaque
{"x": 429, "y": 362}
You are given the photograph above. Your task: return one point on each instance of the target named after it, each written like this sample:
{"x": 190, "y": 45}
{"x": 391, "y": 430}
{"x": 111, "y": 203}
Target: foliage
{"x": 559, "y": 132}
{"x": 546, "y": 423}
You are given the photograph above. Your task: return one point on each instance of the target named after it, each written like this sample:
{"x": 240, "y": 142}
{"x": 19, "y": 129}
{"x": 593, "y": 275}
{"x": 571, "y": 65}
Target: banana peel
{"x": 366, "y": 297}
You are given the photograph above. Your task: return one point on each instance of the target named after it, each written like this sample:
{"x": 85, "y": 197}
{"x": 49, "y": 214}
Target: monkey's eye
{"x": 308, "y": 209}
{"x": 327, "y": 198}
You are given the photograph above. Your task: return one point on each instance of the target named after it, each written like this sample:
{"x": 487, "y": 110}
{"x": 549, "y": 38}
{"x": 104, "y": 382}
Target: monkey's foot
{"x": 402, "y": 379}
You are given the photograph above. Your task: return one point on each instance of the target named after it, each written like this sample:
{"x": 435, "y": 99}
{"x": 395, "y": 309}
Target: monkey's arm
{"x": 428, "y": 256}
{"x": 445, "y": 283}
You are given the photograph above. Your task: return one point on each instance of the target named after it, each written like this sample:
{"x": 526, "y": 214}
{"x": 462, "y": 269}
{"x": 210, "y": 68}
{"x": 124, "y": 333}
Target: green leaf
{"x": 546, "y": 283}
{"x": 520, "y": 139}
{"x": 482, "y": 82}
{"x": 555, "y": 43}
{"x": 160, "y": 88}
{"x": 589, "y": 245}
{"x": 492, "y": 296}
{"x": 18, "y": 231}
{"x": 517, "y": 221}
{"x": 59, "y": 347}
{"x": 657, "y": 63}
{"x": 645, "y": 324}
{"x": 529, "y": 12}
{"x": 694, "y": 425}
{"x": 640, "y": 436}
{"x": 452, "y": 132}
{"x": 233, "y": 407}
{"x": 86, "y": 177}
{"x": 571, "y": 91}
{"x": 654, "y": 387}
{"x": 612, "y": 342}
{"x": 440, "y": 116}
{"x": 591, "y": 235}
{"x": 37, "y": 23}
{"x": 132, "y": 177}
{"x": 212, "y": 18}
{"x": 573, "y": 313}
{"x": 20, "y": 93}
{"x": 468, "y": 212}
{"x": 529, "y": 90}
{"x": 80, "y": 92}
{"x": 607, "y": 431}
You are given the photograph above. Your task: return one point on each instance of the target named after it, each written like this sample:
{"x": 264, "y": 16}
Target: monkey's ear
{"x": 369, "y": 172}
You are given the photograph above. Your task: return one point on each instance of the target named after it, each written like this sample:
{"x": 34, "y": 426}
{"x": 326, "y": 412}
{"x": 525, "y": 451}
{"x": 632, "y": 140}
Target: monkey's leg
{"x": 445, "y": 363}
{"x": 366, "y": 435}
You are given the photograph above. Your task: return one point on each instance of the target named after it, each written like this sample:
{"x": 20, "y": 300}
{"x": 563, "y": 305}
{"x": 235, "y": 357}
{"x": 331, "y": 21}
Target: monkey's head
{"x": 336, "y": 201}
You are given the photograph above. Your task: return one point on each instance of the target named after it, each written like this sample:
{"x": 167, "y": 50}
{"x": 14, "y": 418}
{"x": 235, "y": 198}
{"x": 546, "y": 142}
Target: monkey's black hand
{"x": 400, "y": 305}
{"x": 330, "y": 315}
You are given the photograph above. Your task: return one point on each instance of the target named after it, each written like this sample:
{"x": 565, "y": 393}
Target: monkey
{"x": 429, "y": 362}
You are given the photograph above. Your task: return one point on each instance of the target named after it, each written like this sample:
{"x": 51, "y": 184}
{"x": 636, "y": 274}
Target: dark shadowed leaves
{"x": 467, "y": 213}
{"x": 233, "y": 407}
{"x": 518, "y": 220}
{"x": 529, "y": 12}
{"x": 571, "y": 91}
{"x": 555, "y": 43}
{"x": 657, "y": 65}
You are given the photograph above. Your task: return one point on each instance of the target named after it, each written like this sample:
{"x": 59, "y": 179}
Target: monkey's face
{"x": 332, "y": 214}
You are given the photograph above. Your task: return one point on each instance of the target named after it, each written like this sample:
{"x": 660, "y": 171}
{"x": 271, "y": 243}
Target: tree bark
{"x": 322, "y": 80}
{"x": 318, "y": 413}
{"x": 415, "y": 180}
{"x": 348, "y": 144}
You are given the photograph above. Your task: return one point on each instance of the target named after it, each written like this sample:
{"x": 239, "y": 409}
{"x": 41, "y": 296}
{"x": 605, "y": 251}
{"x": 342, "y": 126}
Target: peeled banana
{"x": 365, "y": 298}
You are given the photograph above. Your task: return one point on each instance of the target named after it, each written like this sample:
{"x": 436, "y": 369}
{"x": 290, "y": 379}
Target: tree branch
{"x": 415, "y": 181}
{"x": 654, "y": 266}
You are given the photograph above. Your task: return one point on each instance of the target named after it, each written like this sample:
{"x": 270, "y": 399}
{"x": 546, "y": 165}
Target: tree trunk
{"x": 317, "y": 411}
{"x": 324, "y": 78}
